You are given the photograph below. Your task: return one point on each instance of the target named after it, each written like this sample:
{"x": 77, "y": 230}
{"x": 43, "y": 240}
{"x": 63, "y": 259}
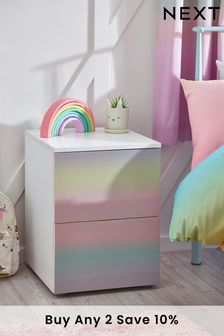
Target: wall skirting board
{"x": 167, "y": 246}
{"x": 22, "y": 255}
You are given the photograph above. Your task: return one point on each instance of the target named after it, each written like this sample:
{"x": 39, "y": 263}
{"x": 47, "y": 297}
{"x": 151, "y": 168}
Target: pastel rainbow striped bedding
{"x": 198, "y": 213}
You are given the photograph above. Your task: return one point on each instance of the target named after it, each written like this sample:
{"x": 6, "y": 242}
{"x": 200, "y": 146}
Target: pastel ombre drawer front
{"x": 106, "y": 254}
{"x": 100, "y": 185}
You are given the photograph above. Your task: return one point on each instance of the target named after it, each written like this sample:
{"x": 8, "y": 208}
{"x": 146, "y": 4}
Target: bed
{"x": 198, "y": 214}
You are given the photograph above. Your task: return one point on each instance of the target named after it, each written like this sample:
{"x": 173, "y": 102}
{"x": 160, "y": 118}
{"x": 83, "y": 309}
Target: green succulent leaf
{"x": 118, "y": 101}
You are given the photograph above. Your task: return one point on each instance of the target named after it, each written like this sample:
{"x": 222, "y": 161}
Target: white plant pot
{"x": 117, "y": 120}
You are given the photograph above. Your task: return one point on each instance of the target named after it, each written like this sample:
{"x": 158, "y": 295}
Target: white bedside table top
{"x": 99, "y": 140}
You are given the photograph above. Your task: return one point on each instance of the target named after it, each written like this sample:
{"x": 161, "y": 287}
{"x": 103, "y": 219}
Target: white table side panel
{"x": 39, "y": 195}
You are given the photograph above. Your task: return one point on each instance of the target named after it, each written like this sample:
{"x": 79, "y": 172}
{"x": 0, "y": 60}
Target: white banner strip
{"x": 111, "y": 320}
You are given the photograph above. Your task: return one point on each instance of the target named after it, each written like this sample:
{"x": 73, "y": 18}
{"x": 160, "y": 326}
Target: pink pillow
{"x": 205, "y": 101}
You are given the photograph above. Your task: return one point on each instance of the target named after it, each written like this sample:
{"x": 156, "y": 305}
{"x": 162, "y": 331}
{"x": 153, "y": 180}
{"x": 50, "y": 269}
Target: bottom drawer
{"x": 106, "y": 254}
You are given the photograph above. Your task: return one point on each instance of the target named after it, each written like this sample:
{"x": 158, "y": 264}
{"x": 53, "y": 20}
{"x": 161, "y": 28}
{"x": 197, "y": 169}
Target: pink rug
{"x": 185, "y": 327}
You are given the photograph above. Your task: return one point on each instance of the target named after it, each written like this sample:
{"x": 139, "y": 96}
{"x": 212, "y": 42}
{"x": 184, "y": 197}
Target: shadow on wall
{"x": 51, "y": 70}
{"x": 92, "y": 75}
{"x": 83, "y": 76}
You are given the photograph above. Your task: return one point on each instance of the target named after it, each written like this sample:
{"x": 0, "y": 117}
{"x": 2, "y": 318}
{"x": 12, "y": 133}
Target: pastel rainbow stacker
{"x": 63, "y": 112}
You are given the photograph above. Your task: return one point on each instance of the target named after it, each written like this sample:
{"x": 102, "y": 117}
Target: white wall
{"x": 81, "y": 48}
{"x": 133, "y": 66}
{"x": 46, "y": 45}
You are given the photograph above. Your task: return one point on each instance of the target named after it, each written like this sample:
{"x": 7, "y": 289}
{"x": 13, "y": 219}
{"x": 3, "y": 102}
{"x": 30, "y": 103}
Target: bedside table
{"x": 92, "y": 210}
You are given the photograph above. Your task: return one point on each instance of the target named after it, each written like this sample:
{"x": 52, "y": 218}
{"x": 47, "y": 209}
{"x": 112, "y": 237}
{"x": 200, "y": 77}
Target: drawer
{"x": 106, "y": 254}
{"x": 106, "y": 185}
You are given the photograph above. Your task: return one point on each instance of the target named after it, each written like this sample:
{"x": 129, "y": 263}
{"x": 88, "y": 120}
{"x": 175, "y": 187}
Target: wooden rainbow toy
{"x": 64, "y": 111}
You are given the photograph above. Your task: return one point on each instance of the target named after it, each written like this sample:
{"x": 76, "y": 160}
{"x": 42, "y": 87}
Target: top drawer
{"x": 106, "y": 185}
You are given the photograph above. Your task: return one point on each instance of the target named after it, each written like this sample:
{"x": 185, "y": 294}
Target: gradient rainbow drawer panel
{"x": 106, "y": 185}
{"x": 92, "y": 210}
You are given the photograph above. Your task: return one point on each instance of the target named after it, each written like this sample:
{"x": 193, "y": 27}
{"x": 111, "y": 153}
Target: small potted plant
{"x": 117, "y": 115}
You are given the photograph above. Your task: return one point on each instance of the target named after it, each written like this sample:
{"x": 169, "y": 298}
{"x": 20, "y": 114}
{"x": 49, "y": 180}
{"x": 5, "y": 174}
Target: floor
{"x": 181, "y": 284}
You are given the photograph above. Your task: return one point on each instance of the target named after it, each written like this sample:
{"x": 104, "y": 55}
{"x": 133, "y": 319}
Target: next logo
{"x": 190, "y": 13}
